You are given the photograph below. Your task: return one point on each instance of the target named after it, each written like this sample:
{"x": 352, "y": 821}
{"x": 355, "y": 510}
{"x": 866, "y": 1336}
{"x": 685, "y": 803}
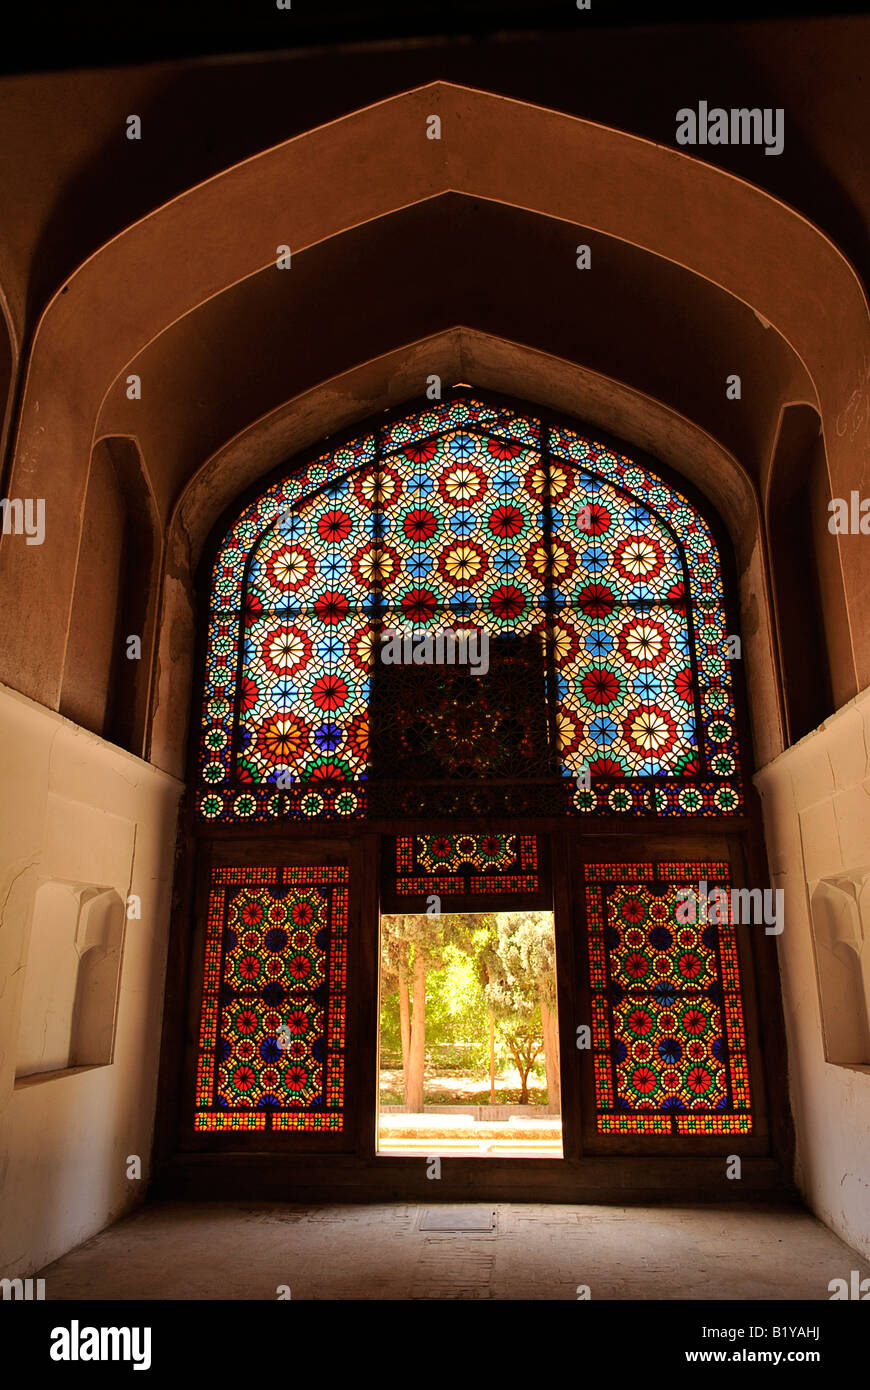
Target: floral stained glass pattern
{"x": 272, "y": 1029}
{"x": 466, "y": 863}
{"x": 668, "y": 1035}
{"x": 468, "y": 515}
{"x": 509, "y": 871}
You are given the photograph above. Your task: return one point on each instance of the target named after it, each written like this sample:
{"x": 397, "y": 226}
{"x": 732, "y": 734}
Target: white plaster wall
{"x": 76, "y": 808}
{"x": 816, "y": 803}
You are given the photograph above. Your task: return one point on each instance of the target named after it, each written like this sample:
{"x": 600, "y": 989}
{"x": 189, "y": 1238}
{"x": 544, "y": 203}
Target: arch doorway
{"x": 471, "y": 655}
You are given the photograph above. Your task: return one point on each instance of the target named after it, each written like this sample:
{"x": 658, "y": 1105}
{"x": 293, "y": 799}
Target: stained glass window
{"x": 467, "y": 516}
{"x": 668, "y": 1036}
{"x": 505, "y": 869}
{"x": 272, "y": 1028}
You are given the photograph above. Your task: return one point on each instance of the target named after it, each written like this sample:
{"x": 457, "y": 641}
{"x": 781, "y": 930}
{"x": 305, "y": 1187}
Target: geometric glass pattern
{"x": 470, "y": 864}
{"x": 465, "y": 516}
{"x": 272, "y": 1030}
{"x": 668, "y": 1036}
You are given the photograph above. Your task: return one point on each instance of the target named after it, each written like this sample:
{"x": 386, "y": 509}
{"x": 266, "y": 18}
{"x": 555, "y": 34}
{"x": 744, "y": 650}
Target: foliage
{"x": 499, "y": 962}
{"x": 455, "y": 1006}
{"x": 516, "y": 967}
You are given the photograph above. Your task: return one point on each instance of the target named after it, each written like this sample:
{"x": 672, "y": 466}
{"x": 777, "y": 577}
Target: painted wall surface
{"x": 816, "y": 801}
{"x": 77, "y": 810}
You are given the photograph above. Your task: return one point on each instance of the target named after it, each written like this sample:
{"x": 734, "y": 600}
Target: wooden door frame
{"x": 227, "y": 1166}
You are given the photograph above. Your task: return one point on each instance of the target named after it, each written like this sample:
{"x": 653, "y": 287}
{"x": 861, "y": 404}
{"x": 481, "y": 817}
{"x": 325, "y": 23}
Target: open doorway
{"x": 468, "y": 1035}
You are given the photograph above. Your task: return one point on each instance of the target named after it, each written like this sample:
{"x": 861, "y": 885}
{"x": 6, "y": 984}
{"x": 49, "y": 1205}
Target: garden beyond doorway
{"x": 469, "y": 1050}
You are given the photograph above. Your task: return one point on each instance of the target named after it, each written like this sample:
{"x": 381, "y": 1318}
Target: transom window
{"x": 468, "y": 516}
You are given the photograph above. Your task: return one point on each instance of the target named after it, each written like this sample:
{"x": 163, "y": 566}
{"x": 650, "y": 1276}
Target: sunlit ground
{"x": 472, "y": 1127}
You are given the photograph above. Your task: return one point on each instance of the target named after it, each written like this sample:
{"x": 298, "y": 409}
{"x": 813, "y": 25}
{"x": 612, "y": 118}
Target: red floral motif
{"x": 281, "y": 739}
{"x": 506, "y": 521}
{"x": 649, "y": 730}
{"x": 693, "y": 1022}
{"x": 331, "y": 607}
{"x": 638, "y": 558}
{"x": 644, "y": 642}
{"x": 502, "y": 449}
{"x": 599, "y": 519}
{"x": 253, "y": 609}
{"x": 677, "y": 597}
{"x": 285, "y": 648}
{"x": 418, "y": 605}
{"x": 605, "y": 767}
{"x": 639, "y": 1021}
{"x": 699, "y": 1080}
{"x": 690, "y": 965}
{"x": 248, "y": 694}
{"x": 333, "y": 527}
{"x": 684, "y": 686}
{"x": 644, "y": 1080}
{"x": 490, "y": 845}
{"x": 600, "y": 686}
{"x": 633, "y": 910}
{"x": 419, "y": 524}
{"x": 636, "y": 965}
{"x": 328, "y": 774}
{"x": 507, "y": 602}
{"x": 596, "y": 600}
{"x": 289, "y": 567}
{"x": 420, "y": 453}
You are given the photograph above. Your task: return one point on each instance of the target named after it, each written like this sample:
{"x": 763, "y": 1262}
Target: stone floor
{"x": 506, "y": 1251}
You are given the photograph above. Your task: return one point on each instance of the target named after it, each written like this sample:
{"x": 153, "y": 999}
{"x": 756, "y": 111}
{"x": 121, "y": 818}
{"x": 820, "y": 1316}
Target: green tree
{"x": 413, "y": 945}
{"x": 518, "y": 972}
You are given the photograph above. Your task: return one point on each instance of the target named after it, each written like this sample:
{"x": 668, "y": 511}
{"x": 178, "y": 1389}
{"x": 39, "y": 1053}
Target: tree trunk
{"x": 404, "y": 1016}
{"x": 520, "y": 1063}
{"x": 550, "y": 1030}
{"x": 491, "y": 1057}
{"x": 417, "y": 1051}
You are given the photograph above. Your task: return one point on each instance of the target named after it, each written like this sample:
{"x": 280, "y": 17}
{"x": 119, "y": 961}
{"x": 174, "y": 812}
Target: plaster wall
{"x": 77, "y": 810}
{"x": 816, "y": 806}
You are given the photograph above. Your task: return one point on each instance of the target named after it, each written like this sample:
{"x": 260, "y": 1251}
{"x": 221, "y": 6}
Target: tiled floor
{"x": 227, "y": 1251}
